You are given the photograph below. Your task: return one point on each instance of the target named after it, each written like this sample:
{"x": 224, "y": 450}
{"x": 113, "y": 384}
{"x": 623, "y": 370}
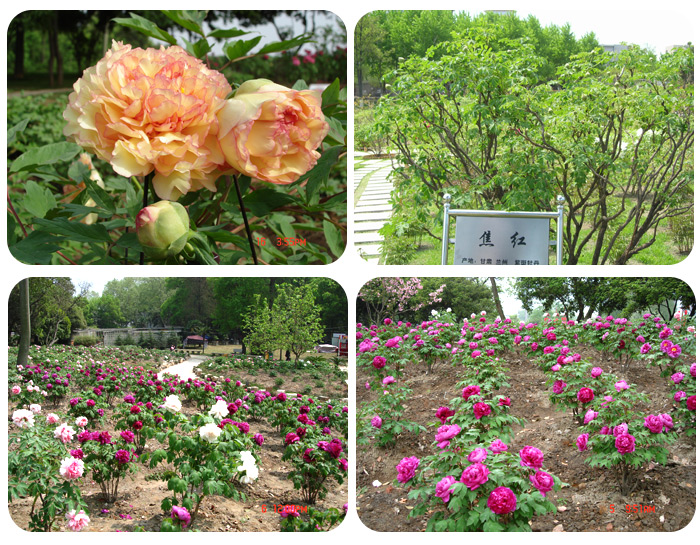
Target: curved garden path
{"x": 185, "y": 369}
{"x": 372, "y": 188}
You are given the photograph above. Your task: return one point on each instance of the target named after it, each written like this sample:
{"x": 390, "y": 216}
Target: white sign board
{"x": 501, "y": 241}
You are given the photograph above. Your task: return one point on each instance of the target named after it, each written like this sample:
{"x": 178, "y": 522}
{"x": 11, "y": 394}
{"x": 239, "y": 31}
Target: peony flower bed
{"x": 203, "y": 448}
{"x": 457, "y": 460}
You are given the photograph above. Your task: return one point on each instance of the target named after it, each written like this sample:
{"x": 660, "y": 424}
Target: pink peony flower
{"x": 64, "y": 433}
{"x": 558, "y": 386}
{"x": 76, "y": 521}
{"x": 388, "y": 380}
{"x": 71, "y": 468}
{"x": 52, "y": 418}
{"x": 596, "y": 372}
{"x": 23, "y": 418}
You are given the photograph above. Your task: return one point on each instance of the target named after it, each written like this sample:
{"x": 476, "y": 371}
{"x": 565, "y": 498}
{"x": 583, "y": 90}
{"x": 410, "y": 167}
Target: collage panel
{"x": 177, "y": 137}
{"x": 526, "y": 404}
{"x": 177, "y": 404}
{"x": 524, "y": 137}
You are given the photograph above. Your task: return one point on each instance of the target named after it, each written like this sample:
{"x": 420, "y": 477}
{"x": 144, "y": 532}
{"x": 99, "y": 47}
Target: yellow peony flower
{"x": 151, "y": 110}
{"x": 270, "y": 132}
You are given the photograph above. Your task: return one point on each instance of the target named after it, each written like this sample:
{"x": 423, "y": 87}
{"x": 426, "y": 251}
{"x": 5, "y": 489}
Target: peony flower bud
{"x": 163, "y": 228}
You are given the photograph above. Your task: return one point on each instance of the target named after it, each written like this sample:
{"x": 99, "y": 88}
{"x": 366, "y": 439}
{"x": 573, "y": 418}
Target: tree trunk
{"x": 19, "y": 48}
{"x": 25, "y": 323}
{"x": 496, "y": 298}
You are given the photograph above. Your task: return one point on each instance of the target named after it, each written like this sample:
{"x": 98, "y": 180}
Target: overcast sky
{"x": 656, "y": 29}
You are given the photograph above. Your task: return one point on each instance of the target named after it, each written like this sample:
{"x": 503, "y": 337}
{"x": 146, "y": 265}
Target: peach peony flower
{"x": 270, "y": 132}
{"x": 151, "y": 110}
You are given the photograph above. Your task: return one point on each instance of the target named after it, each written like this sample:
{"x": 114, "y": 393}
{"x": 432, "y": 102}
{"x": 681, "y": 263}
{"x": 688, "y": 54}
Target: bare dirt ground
{"x": 667, "y": 494}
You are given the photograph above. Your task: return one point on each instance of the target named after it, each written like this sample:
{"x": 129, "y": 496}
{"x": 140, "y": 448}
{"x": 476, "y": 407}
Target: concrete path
{"x": 184, "y": 370}
{"x": 372, "y": 209}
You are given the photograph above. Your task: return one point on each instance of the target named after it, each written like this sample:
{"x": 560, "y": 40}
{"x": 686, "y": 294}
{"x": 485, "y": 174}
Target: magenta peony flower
{"x": 474, "y": 476}
{"x": 677, "y": 378}
{"x": 502, "y": 500}
{"x": 585, "y": 395}
{"x": 582, "y": 442}
{"x": 498, "y": 446}
{"x": 379, "y": 361}
{"x": 442, "y": 488}
{"x": 653, "y": 423}
{"x": 444, "y": 414}
{"x": 445, "y": 434}
{"x": 558, "y": 386}
{"x": 542, "y": 481}
{"x": 589, "y": 416}
{"x": 122, "y": 456}
{"x": 481, "y": 409}
{"x": 478, "y": 455}
{"x": 259, "y": 439}
{"x": 470, "y": 391}
{"x": 624, "y": 443}
{"x": 376, "y": 422}
{"x": 621, "y": 385}
{"x": 181, "y": 515}
{"x": 690, "y": 403}
{"x": 679, "y": 395}
{"x": 406, "y": 469}
{"x": 531, "y": 457}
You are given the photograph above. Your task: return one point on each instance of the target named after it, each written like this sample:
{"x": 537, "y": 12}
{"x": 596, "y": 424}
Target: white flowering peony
{"x": 219, "y": 409}
{"x": 251, "y": 470}
{"x": 172, "y": 403}
{"x": 210, "y": 432}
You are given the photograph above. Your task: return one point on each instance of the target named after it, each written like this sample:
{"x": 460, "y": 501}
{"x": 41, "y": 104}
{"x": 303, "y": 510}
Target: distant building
{"x": 615, "y": 48}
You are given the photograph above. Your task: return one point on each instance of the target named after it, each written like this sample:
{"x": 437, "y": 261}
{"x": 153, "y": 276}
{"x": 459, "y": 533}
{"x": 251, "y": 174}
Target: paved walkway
{"x": 184, "y": 370}
{"x": 373, "y": 209}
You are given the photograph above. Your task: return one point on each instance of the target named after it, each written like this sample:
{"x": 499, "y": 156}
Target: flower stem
{"x": 245, "y": 220}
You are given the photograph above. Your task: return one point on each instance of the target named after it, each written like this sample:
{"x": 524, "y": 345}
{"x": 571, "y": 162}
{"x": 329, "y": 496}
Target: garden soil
{"x": 589, "y": 503}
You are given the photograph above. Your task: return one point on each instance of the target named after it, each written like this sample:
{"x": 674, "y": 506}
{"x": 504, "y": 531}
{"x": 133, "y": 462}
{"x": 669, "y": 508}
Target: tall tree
{"x": 26, "y": 326}
{"x": 297, "y": 318}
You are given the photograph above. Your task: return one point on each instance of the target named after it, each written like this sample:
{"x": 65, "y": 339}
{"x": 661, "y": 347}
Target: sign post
{"x": 494, "y": 237}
